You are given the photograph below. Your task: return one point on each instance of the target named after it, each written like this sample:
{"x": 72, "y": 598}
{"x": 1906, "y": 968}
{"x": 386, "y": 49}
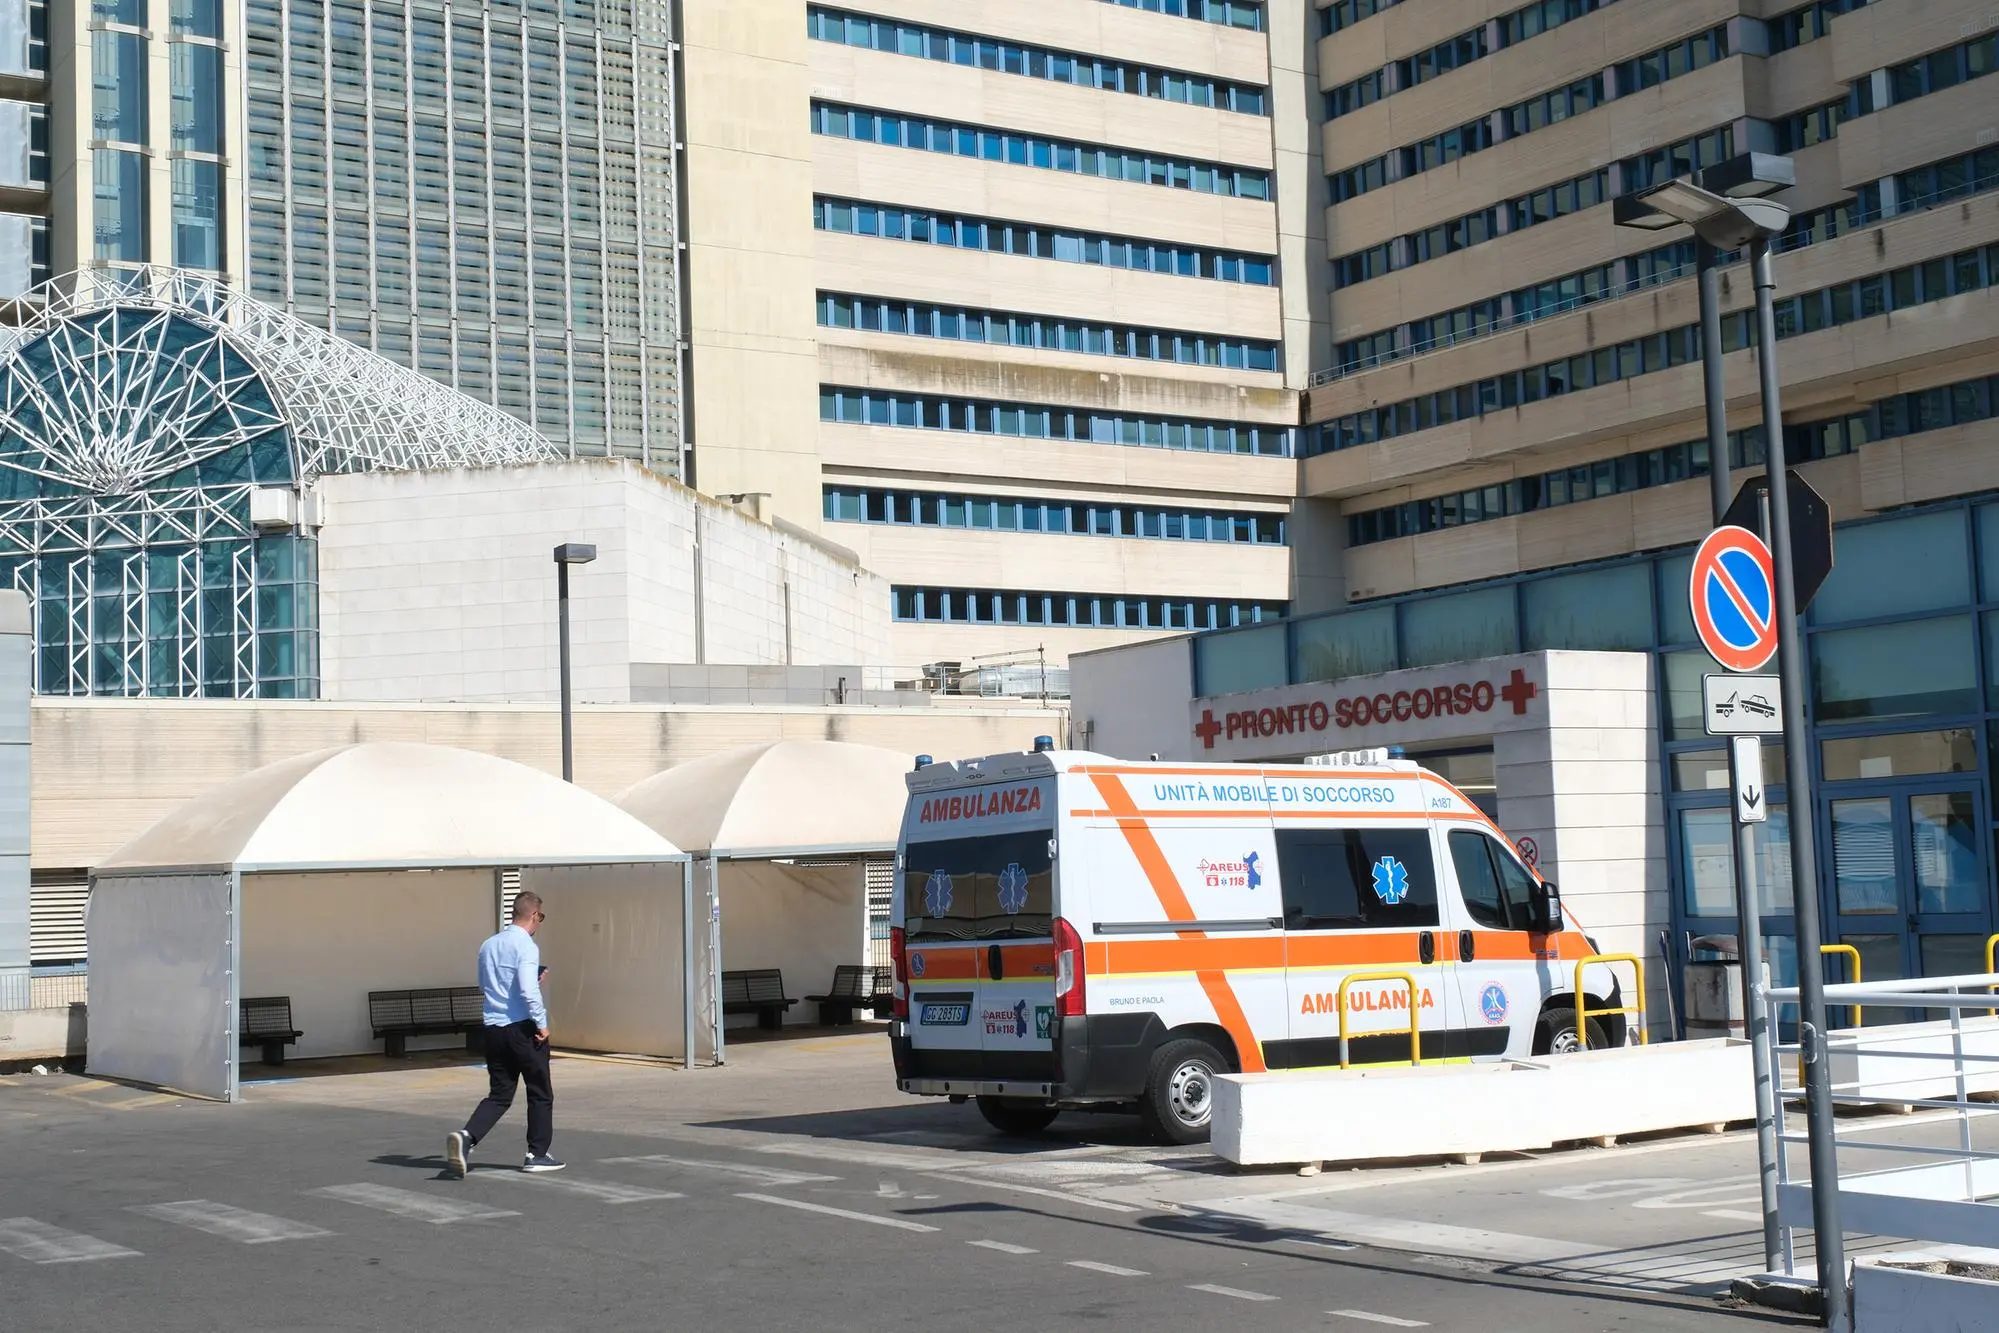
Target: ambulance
{"x": 1075, "y": 931}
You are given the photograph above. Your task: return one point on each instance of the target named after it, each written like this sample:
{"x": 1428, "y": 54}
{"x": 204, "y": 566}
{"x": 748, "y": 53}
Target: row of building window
{"x": 1943, "y": 69}
{"x": 1455, "y": 53}
{"x": 1529, "y": 210}
{"x": 1029, "y": 150}
{"x": 1034, "y": 62}
{"x": 1963, "y": 403}
{"x": 854, "y": 218}
{"x": 1005, "y": 513}
{"x": 1916, "y": 190}
{"x": 1844, "y": 303}
{"x": 982, "y": 606}
{"x": 923, "y": 319}
{"x": 1038, "y": 421}
{"x": 1538, "y": 112}
{"x": 1229, "y": 13}
{"x": 1808, "y": 24}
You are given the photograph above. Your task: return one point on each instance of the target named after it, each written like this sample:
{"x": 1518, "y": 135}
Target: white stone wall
{"x": 1586, "y": 788}
{"x": 441, "y": 585}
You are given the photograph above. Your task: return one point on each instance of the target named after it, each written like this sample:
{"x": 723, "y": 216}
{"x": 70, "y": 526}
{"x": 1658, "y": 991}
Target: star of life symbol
{"x": 1391, "y": 880}
{"x": 1012, "y": 889}
{"x": 937, "y": 893}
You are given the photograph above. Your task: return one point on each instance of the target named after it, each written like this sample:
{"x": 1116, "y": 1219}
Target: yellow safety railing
{"x": 1584, "y": 1013}
{"x": 1991, "y": 966}
{"x": 1415, "y": 1013}
{"x": 1854, "y": 1012}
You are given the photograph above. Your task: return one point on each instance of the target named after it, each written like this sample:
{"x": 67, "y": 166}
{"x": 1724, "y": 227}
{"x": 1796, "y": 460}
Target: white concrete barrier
{"x": 1903, "y": 1060}
{"x": 1888, "y": 1299}
{"x": 1391, "y": 1111}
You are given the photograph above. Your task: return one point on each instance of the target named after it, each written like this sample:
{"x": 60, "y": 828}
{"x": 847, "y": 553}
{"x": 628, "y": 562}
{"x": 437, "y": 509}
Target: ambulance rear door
{"x": 978, "y": 889}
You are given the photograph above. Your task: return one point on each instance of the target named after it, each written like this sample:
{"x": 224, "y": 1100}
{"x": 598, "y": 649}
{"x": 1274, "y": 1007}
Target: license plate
{"x": 945, "y": 1015}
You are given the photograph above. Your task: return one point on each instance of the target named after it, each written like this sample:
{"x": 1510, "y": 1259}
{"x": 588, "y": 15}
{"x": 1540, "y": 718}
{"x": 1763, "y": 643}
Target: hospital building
{"x": 1273, "y": 368}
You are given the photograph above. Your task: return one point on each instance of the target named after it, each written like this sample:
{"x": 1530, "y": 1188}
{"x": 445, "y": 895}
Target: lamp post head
{"x": 575, "y": 553}
{"x": 1724, "y": 204}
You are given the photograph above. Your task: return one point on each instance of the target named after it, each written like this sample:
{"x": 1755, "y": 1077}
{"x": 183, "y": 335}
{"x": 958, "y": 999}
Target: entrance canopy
{"x": 786, "y": 829}
{"x": 783, "y": 798}
{"x": 372, "y": 867}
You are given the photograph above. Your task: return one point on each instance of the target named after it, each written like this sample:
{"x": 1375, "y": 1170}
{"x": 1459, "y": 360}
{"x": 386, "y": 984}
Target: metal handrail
{"x": 1584, "y": 1013}
{"x": 1415, "y": 1038}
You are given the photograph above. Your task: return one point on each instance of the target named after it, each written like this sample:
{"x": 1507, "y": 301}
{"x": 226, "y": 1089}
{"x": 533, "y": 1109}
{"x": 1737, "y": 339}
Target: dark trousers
{"x": 514, "y": 1056}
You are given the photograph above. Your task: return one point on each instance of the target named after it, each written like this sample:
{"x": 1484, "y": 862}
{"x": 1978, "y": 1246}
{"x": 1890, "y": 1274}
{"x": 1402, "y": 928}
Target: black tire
{"x": 1556, "y": 1034}
{"x": 1016, "y": 1115}
{"x": 1178, "y": 1100}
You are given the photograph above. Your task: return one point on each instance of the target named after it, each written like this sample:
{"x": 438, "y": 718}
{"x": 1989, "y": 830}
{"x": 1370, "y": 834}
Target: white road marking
{"x": 1003, "y": 1247}
{"x": 603, "y": 1190}
{"x": 40, "y": 1243}
{"x": 1237, "y": 1292}
{"x": 767, "y": 1175}
{"x": 1083, "y": 1199}
{"x": 1112, "y": 1269}
{"x": 1734, "y": 1215}
{"x": 410, "y": 1204}
{"x": 237, "y": 1224}
{"x": 1369, "y": 1318}
{"x": 851, "y": 1216}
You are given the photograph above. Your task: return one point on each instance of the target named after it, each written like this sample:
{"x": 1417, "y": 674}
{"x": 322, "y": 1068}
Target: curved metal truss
{"x": 133, "y": 399}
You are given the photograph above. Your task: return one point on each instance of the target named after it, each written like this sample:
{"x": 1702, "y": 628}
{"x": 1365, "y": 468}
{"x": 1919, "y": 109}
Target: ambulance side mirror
{"x": 1547, "y": 902}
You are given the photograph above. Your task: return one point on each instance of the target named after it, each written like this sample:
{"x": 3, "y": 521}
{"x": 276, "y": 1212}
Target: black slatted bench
{"x": 432, "y": 1011}
{"x": 854, "y": 987}
{"x": 267, "y": 1022}
{"x": 758, "y": 991}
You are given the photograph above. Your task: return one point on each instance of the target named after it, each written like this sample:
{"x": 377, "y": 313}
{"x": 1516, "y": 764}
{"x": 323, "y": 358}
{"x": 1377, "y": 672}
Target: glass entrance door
{"x": 1909, "y": 880}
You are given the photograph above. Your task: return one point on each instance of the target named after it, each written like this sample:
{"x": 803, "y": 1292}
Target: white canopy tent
{"x": 374, "y": 867}
{"x": 782, "y": 831}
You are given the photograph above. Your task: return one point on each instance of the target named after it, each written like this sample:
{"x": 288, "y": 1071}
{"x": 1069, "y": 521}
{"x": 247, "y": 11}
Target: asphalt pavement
{"x": 796, "y": 1189}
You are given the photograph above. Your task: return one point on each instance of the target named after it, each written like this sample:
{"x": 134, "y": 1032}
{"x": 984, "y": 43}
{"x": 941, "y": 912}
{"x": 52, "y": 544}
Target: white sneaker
{"x": 458, "y": 1152}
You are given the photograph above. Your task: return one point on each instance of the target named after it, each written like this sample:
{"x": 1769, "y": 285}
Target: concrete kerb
{"x": 29, "y": 1037}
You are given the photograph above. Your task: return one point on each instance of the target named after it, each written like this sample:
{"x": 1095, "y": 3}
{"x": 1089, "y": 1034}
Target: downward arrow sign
{"x": 1750, "y": 796}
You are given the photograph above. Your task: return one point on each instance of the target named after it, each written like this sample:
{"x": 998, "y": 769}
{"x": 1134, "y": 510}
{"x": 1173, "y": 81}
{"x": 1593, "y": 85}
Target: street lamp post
{"x": 1726, "y": 214}
{"x": 567, "y": 554}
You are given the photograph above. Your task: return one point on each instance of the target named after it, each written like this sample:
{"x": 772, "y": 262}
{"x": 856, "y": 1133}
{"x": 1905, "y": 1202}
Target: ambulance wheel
{"x": 1016, "y": 1115}
{"x": 1179, "y": 1096}
{"x": 1556, "y": 1034}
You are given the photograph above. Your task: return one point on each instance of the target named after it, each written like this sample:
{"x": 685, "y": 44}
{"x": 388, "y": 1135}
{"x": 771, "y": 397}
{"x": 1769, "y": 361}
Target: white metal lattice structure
{"x": 114, "y": 429}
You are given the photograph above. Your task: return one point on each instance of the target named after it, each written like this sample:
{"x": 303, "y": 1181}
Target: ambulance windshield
{"x": 996, "y": 887}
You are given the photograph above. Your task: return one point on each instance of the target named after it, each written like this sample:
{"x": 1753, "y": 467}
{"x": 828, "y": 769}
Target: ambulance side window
{"x": 1497, "y": 891}
{"x": 1357, "y": 879}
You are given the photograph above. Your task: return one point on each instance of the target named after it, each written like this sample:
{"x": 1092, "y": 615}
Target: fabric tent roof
{"x": 779, "y": 798}
{"x": 392, "y": 804}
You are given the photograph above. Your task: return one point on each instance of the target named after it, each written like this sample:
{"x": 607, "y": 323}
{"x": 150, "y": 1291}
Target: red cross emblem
{"x": 1518, "y": 691}
{"x": 1207, "y": 728}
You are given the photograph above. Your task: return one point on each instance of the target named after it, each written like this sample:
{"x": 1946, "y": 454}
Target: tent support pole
{"x": 687, "y": 962}
{"x": 715, "y": 949}
{"x": 235, "y": 988}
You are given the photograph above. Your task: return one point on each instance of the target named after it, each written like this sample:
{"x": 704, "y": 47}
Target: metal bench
{"x": 855, "y": 986}
{"x": 434, "y": 1011}
{"x": 758, "y": 991}
{"x": 267, "y": 1022}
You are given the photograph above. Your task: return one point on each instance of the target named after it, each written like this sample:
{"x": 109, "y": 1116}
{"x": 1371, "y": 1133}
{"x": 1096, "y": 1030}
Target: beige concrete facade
{"x": 105, "y": 769}
{"x": 1289, "y": 311}
{"x": 1844, "y": 368}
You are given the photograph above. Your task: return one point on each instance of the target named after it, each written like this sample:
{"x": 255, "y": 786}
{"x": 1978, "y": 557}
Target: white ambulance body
{"x": 1074, "y": 930}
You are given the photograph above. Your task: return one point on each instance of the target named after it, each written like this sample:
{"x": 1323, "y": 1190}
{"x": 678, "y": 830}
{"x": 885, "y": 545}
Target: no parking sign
{"x": 1733, "y": 594}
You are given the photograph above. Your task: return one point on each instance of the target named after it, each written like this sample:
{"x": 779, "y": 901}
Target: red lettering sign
{"x": 1461, "y": 699}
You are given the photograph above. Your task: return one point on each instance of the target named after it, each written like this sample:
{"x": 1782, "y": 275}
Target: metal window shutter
{"x": 881, "y": 902}
{"x": 510, "y": 886}
{"x": 56, "y": 900}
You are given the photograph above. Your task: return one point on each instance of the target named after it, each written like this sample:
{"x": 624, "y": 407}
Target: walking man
{"x": 516, "y": 1041}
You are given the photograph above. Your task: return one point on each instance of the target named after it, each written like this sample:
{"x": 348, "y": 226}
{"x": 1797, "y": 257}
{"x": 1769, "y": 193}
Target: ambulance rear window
{"x": 1001, "y": 886}
{"x": 1357, "y": 878}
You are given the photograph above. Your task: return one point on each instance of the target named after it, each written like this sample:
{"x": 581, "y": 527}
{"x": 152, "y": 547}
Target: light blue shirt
{"x": 509, "y": 965}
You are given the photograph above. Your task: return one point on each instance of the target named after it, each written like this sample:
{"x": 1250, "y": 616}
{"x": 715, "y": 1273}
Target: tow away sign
{"x": 1742, "y": 705}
